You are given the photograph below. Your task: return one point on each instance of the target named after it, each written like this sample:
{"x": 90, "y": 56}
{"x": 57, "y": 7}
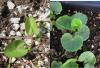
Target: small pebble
{"x": 15, "y": 20}
{"x": 22, "y": 26}
{"x": 48, "y": 35}
{"x": 48, "y": 26}
{"x": 12, "y": 33}
{"x": 10, "y": 4}
{"x": 18, "y": 33}
{"x": 46, "y": 60}
{"x": 15, "y": 26}
{"x": 27, "y": 66}
{"x": 37, "y": 43}
{"x": 40, "y": 63}
{"x": 28, "y": 41}
{"x": 13, "y": 59}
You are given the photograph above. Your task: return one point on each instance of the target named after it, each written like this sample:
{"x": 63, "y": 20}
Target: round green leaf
{"x": 84, "y": 32}
{"x": 31, "y": 26}
{"x": 70, "y": 43}
{"x": 71, "y": 63}
{"x": 63, "y": 22}
{"x": 56, "y": 64}
{"x": 87, "y": 57}
{"x": 88, "y": 66}
{"x": 81, "y": 16}
{"x": 15, "y": 49}
{"x": 76, "y": 24}
{"x": 56, "y": 7}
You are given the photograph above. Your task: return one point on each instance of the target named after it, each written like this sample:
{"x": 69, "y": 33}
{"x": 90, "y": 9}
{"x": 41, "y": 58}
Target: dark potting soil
{"x": 92, "y": 44}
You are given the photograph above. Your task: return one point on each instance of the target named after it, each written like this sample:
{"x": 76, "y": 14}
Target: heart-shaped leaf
{"x": 81, "y": 16}
{"x": 15, "y": 49}
{"x": 84, "y": 32}
{"x": 70, "y": 43}
{"x": 76, "y": 24}
{"x": 71, "y": 63}
{"x": 87, "y": 57}
{"x": 56, "y": 64}
{"x": 56, "y": 7}
{"x": 63, "y": 22}
{"x": 31, "y": 26}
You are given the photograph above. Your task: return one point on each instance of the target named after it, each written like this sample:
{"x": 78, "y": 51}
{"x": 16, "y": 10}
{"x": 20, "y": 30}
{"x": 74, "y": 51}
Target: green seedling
{"x": 80, "y": 31}
{"x": 56, "y": 64}
{"x": 63, "y": 22}
{"x": 16, "y": 49}
{"x": 81, "y": 16}
{"x": 56, "y": 7}
{"x": 70, "y": 43}
{"x": 76, "y": 24}
{"x": 31, "y": 26}
{"x": 70, "y": 63}
{"x": 88, "y": 58}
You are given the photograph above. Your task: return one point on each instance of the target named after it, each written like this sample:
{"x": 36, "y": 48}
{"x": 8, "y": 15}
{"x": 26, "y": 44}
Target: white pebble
{"x": 48, "y": 35}
{"x": 46, "y": 60}
{"x": 37, "y": 43}
{"x": 22, "y": 26}
{"x": 29, "y": 15}
{"x": 13, "y": 59}
{"x": 48, "y": 26}
{"x": 28, "y": 41}
{"x": 18, "y": 33}
{"x": 21, "y": 8}
{"x": 18, "y": 62}
{"x": 40, "y": 63}
{"x": 10, "y": 4}
{"x": 15, "y": 26}
{"x": 14, "y": 20}
{"x": 27, "y": 66}
{"x": 12, "y": 32}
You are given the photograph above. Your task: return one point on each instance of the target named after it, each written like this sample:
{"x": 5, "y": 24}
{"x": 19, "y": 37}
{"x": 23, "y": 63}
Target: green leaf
{"x": 71, "y": 63}
{"x": 76, "y": 24}
{"x": 81, "y": 16}
{"x": 15, "y": 49}
{"x": 84, "y": 32}
{"x": 63, "y": 22}
{"x": 88, "y": 66}
{"x": 56, "y": 7}
{"x": 56, "y": 64}
{"x": 70, "y": 43}
{"x": 31, "y": 26}
{"x": 87, "y": 57}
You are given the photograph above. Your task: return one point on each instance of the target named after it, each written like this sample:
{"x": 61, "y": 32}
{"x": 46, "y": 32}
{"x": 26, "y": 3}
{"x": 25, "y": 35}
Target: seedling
{"x": 80, "y": 31}
{"x": 56, "y": 64}
{"x": 55, "y": 7}
{"x": 88, "y": 58}
{"x": 67, "y": 41}
{"x": 31, "y": 26}
{"x": 17, "y": 48}
{"x": 71, "y": 63}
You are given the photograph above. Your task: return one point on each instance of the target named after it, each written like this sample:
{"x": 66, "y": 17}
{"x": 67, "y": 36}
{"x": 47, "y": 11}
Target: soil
{"x": 92, "y": 44}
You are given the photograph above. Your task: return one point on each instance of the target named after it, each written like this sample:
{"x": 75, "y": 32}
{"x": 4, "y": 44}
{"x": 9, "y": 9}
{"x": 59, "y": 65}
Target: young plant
{"x": 74, "y": 24}
{"x": 88, "y": 58}
{"x": 70, "y": 63}
{"x": 55, "y": 7}
{"x": 56, "y": 64}
{"x": 31, "y": 26}
{"x": 17, "y": 48}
